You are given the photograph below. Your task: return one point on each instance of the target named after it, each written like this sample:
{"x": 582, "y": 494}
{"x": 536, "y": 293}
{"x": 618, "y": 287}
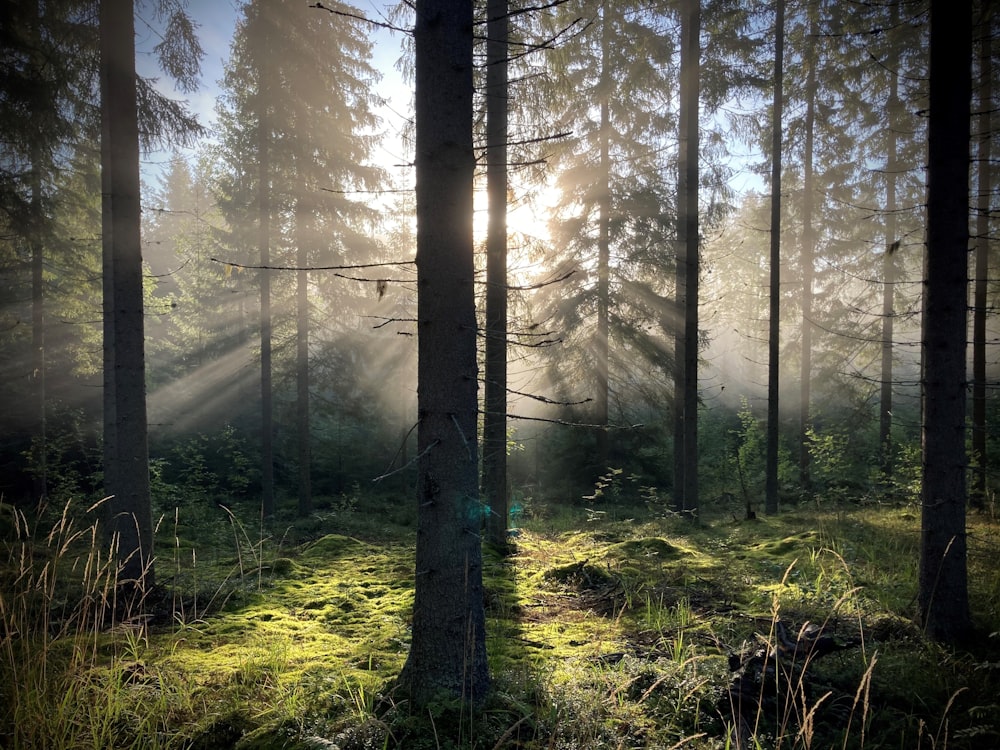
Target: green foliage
{"x": 746, "y": 462}
{"x": 829, "y": 465}
{"x": 204, "y": 468}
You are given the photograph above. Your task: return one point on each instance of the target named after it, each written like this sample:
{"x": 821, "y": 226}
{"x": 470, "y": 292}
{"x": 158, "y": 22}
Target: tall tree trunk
{"x": 943, "y": 598}
{"x": 984, "y": 189}
{"x": 39, "y": 447}
{"x": 448, "y": 648}
{"x": 889, "y": 259}
{"x": 264, "y": 247}
{"x": 687, "y": 197}
{"x": 109, "y": 439}
{"x": 494, "y": 483}
{"x": 601, "y": 341}
{"x": 771, "y": 460}
{"x": 131, "y": 515}
{"x": 40, "y": 443}
{"x": 808, "y": 254}
{"x": 302, "y": 360}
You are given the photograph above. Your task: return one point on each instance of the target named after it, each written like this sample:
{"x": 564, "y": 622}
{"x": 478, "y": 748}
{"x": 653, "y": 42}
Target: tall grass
{"x": 72, "y": 638}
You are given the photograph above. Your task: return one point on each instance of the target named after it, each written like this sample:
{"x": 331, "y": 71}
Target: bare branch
{"x": 363, "y": 19}
{"x": 353, "y": 267}
{"x": 546, "y": 400}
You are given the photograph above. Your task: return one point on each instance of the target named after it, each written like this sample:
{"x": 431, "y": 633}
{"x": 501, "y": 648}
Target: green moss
{"x": 580, "y": 575}
{"x": 646, "y": 547}
{"x": 795, "y": 543}
{"x": 331, "y": 547}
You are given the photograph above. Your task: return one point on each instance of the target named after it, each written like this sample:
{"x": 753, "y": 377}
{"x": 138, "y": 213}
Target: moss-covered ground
{"x": 600, "y": 634}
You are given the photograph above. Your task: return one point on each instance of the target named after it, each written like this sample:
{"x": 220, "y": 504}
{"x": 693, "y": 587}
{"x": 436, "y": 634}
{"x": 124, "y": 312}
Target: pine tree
{"x": 612, "y": 227}
{"x": 943, "y": 578}
{"x": 295, "y": 115}
{"x": 774, "y": 307}
{"x": 448, "y": 650}
{"x": 494, "y": 480}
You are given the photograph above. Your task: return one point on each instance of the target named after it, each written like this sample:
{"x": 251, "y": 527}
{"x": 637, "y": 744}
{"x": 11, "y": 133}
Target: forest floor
{"x": 611, "y": 630}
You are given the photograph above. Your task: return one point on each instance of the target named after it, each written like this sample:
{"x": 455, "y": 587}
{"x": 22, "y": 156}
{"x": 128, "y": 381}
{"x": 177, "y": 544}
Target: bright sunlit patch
{"x": 528, "y": 237}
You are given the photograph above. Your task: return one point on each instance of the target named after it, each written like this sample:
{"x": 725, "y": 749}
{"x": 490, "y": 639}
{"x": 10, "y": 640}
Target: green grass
{"x": 288, "y": 634}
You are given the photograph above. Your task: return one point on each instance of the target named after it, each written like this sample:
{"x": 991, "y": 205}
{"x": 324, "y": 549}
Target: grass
{"x": 623, "y": 634}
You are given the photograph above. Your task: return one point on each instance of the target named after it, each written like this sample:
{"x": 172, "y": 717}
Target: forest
{"x": 497, "y": 374}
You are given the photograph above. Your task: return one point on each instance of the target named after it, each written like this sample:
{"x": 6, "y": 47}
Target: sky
{"x": 216, "y": 20}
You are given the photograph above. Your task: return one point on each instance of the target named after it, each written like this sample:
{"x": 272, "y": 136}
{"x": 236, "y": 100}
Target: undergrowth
{"x": 628, "y": 633}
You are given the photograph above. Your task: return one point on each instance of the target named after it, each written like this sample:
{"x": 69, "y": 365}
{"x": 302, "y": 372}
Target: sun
{"x": 528, "y": 237}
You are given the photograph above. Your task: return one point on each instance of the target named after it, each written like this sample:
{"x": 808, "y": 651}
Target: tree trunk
{"x": 943, "y": 598}
{"x": 494, "y": 483}
{"x": 687, "y": 197}
{"x": 131, "y": 516}
{"x": 984, "y": 189}
{"x": 771, "y": 460}
{"x": 302, "y": 361}
{"x": 448, "y": 648}
{"x": 808, "y": 255}
{"x": 264, "y": 247}
{"x": 889, "y": 260}
{"x": 601, "y": 341}
{"x": 39, "y": 447}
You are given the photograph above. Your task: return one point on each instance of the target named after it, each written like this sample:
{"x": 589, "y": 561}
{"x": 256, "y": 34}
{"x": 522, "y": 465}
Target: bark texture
{"x": 943, "y": 597}
{"x": 448, "y": 649}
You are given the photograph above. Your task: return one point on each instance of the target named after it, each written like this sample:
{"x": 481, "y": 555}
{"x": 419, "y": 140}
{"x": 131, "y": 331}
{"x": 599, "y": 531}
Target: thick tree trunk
{"x": 984, "y": 189}
{"x": 448, "y": 649}
{"x": 943, "y": 598}
{"x": 494, "y": 483}
{"x": 131, "y": 516}
{"x": 771, "y": 459}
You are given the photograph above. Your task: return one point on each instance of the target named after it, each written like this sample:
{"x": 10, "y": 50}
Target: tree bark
{"x": 264, "y": 248}
{"x": 980, "y": 303}
{"x": 808, "y": 255}
{"x": 601, "y": 340}
{"x": 448, "y": 648}
{"x": 302, "y": 360}
{"x": 494, "y": 483}
{"x": 889, "y": 260}
{"x": 771, "y": 459}
{"x": 39, "y": 448}
{"x": 131, "y": 515}
{"x": 688, "y": 232}
{"x": 943, "y": 600}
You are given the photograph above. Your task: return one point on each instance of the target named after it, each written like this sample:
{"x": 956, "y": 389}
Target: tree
{"x": 892, "y": 244}
{"x": 448, "y": 649}
{"x": 47, "y": 55}
{"x": 688, "y": 241}
{"x": 128, "y": 482}
{"x": 984, "y": 188}
{"x": 943, "y": 598}
{"x": 125, "y": 421}
{"x": 613, "y": 228}
{"x": 771, "y": 488}
{"x": 494, "y": 485}
{"x": 295, "y": 119}
{"x": 808, "y": 254}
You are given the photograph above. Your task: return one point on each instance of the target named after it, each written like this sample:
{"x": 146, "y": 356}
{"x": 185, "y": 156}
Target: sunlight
{"x": 527, "y": 230}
